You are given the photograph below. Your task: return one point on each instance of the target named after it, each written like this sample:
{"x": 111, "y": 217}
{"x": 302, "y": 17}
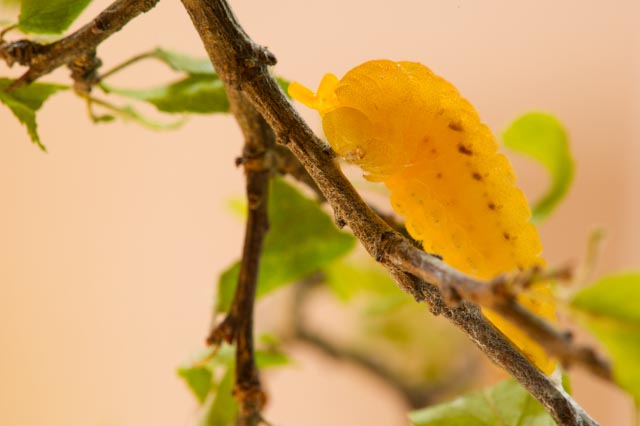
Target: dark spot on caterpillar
{"x": 506, "y": 236}
{"x": 439, "y": 176}
{"x": 476, "y": 176}
{"x": 456, "y": 127}
{"x": 464, "y": 150}
{"x": 434, "y": 151}
{"x": 491, "y": 206}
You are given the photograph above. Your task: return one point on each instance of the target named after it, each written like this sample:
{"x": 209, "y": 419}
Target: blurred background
{"x": 111, "y": 243}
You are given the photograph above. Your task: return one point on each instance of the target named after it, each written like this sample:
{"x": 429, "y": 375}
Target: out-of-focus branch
{"x": 242, "y": 63}
{"x": 416, "y": 395}
{"x": 44, "y": 58}
{"x": 238, "y": 325}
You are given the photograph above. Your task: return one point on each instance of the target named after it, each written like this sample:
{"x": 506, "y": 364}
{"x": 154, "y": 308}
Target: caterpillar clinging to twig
{"x": 412, "y": 130}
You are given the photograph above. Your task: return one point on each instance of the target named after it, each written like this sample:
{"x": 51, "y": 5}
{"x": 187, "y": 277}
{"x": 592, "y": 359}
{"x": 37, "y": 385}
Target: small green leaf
{"x": 194, "y": 94}
{"x": 284, "y": 85}
{"x": 301, "y": 240}
{"x": 181, "y": 62}
{"x": 348, "y": 279}
{"x": 25, "y": 101}
{"x": 198, "y": 379}
{"x": 49, "y": 16}
{"x": 506, "y": 404}
{"x": 611, "y": 309}
{"x": 272, "y": 358}
{"x": 542, "y": 137}
{"x": 220, "y": 408}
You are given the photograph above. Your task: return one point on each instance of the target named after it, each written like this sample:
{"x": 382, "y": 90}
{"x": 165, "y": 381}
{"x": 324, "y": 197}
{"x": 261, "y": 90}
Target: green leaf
{"x": 270, "y": 359}
{"x": 542, "y": 137}
{"x": 49, "y": 16}
{"x": 25, "y": 101}
{"x": 220, "y": 408}
{"x": 348, "y": 279}
{"x": 198, "y": 379}
{"x": 284, "y": 85}
{"x": 301, "y": 240}
{"x": 506, "y": 404}
{"x": 181, "y": 62}
{"x": 194, "y": 94}
{"x": 611, "y": 311}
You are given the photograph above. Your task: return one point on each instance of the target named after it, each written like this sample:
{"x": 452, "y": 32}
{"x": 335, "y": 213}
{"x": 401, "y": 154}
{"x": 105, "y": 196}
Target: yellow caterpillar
{"x": 407, "y": 127}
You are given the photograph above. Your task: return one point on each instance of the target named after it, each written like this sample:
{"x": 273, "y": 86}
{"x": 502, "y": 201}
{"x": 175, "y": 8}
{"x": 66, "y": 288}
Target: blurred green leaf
{"x": 49, "y": 16}
{"x": 566, "y": 382}
{"x": 193, "y": 94}
{"x": 197, "y": 93}
{"x": 200, "y": 92}
{"x": 284, "y": 85}
{"x": 198, "y": 379}
{"x": 220, "y": 408}
{"x": 346, "y": 279}
{"x": 506, "y": 404}
{"x": 181, "y": 62}
{"x": 25, "y": 101}
{"x": 611, "y": 309}
{"x": 269, "y": 359}
{"x": 542, "y": 137}
{"x": 301, "y": 240}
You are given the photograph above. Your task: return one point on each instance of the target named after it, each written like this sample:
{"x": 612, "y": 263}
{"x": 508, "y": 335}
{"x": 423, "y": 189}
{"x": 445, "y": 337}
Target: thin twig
{"x": 238, "y": 325}
{"x": 241, "y": 63}
{"x": 258, "y": 141}
{"x": 44, "y": 58}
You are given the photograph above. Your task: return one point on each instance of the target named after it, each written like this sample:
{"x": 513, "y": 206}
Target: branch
{"x": 238, "y": 325}
{"x": 243, "y": 64}
{"x": 44, "y": 58}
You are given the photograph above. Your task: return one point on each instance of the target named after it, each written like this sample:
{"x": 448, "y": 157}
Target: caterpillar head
{"x": 349, "y": 131}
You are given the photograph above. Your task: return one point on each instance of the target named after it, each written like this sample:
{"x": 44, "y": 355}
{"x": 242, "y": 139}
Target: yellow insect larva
{"x": 407, "y": 127}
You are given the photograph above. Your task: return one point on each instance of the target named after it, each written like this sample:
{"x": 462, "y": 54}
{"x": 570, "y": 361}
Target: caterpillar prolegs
{"x": 407, "y": 127}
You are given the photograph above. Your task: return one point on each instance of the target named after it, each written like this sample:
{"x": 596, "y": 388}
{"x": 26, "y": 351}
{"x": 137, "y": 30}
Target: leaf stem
{"x": 125, "y": 64}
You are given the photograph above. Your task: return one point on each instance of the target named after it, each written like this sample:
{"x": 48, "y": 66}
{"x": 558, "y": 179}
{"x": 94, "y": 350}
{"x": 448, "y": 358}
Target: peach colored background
{"x": 110, "y": 244}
